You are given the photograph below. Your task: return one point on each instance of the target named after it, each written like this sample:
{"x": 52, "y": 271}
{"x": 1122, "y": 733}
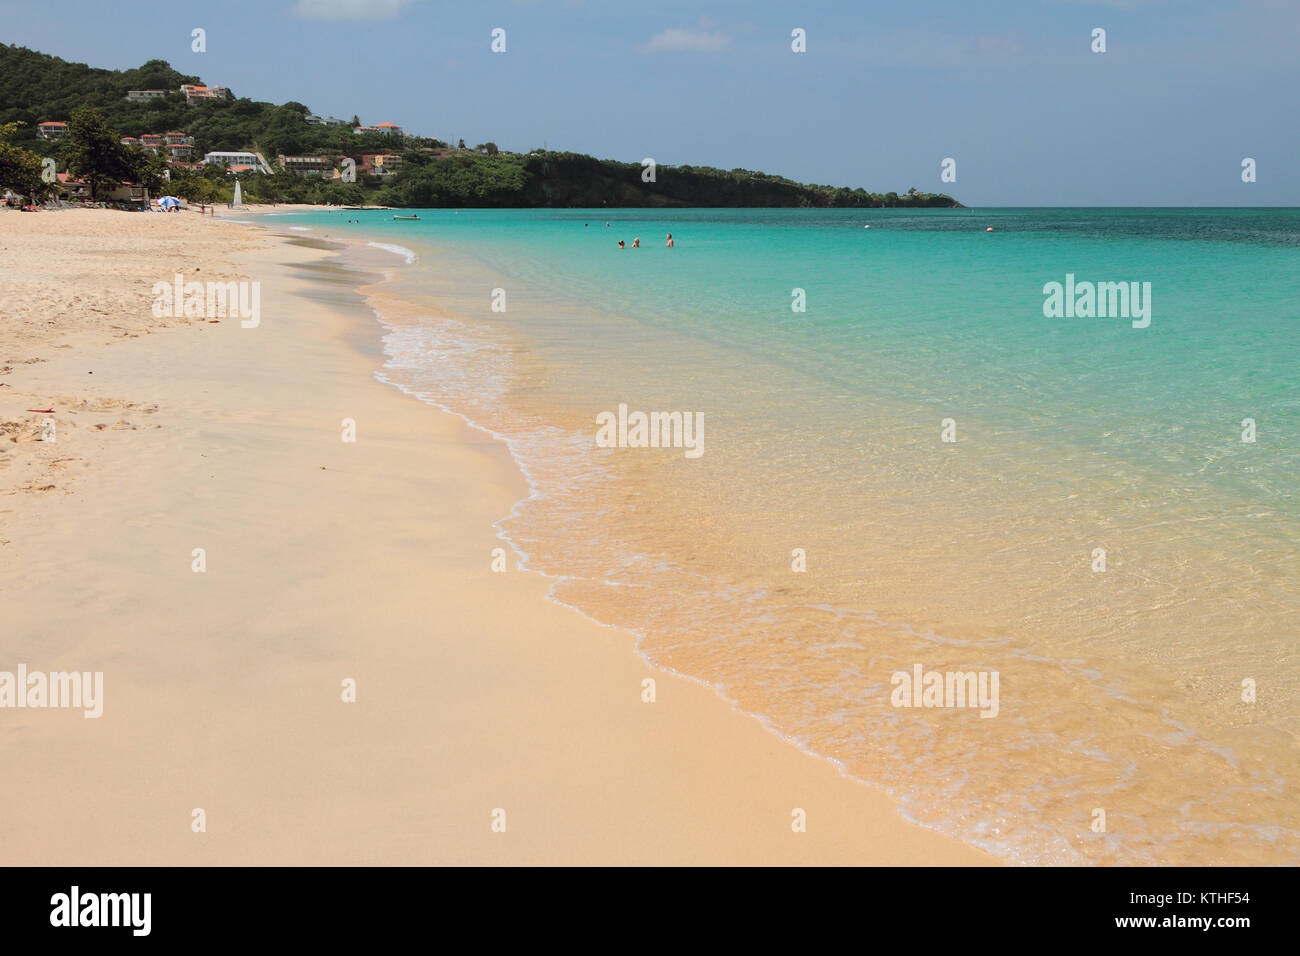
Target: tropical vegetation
{"x": 35, "y": 87}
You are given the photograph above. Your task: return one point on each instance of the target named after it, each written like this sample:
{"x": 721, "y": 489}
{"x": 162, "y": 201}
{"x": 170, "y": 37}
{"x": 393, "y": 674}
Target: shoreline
{"x": 522, "y": 706}
{"x": 1124, "y": 711}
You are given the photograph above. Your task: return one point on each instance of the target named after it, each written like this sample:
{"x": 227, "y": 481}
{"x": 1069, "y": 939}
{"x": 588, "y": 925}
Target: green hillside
{"x": 36, "y": 87}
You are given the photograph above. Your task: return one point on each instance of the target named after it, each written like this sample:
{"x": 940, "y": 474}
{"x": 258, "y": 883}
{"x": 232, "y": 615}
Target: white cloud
{"x": 349, "y": 9}
{"x": 686, "y": 40}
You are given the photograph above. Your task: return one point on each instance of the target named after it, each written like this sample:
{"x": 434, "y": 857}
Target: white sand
{"x": 325, "y": 561}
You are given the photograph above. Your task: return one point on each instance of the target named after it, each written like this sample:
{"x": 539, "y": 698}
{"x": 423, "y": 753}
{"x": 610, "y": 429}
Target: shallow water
{"x": 1120, "y": 690}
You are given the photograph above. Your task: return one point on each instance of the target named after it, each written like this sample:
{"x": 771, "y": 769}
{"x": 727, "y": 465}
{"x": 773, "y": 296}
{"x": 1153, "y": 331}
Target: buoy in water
{"x": 989, "y": 229}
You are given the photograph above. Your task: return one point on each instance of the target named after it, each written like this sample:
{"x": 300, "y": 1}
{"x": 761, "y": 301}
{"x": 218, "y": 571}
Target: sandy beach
{"x": 325, "y": 562}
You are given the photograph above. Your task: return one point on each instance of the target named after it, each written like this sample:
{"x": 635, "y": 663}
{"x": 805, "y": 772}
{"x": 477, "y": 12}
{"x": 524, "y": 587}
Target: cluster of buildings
{"x": 327, "y": 167}
{"x": 331, "y": 167}
{"x": 197, "y": 94}
{"x": 193, "y": 93}
{"x": 179, "y": 147}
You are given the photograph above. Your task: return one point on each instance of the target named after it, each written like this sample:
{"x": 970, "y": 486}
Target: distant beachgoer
{"x": 670, "y": 240}
{"x": 606, "y": 225}
{"x": 636, "y": 243}
{"x": 620, "y": 243}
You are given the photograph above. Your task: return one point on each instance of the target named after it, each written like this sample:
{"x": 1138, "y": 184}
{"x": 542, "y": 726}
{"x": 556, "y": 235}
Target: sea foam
{"x": 395, "y": 249}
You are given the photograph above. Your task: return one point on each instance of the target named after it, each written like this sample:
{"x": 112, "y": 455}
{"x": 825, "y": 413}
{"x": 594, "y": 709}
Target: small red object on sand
{"x": 47, "y": 411}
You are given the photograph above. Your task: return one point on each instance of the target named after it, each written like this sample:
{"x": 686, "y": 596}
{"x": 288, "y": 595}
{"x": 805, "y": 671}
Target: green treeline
{"x": 35, "y": 87}
{"x": 558, "y": 179}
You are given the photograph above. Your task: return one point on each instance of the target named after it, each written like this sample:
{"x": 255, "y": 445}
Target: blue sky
{"x": 1010, "y": 89}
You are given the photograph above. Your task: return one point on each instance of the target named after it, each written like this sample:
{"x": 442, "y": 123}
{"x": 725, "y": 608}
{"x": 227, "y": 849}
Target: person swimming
{"x": 620, "y": 243}
{"x": 670, "y": 240}
{"x": 636, "y": 243}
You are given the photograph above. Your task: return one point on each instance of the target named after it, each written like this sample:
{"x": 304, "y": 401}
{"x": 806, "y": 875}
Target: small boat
{"x": 407, "y": 217}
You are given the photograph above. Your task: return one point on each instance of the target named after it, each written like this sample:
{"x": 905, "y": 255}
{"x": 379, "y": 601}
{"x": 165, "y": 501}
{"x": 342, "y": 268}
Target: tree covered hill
{"x": 559, "y": 179}
{"x": 36, "y": 87}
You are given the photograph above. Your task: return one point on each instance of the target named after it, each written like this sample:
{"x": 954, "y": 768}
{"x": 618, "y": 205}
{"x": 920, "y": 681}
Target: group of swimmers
{"x": 636, "y": 243}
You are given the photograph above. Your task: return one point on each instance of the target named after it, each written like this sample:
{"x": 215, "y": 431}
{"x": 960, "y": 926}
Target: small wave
{"x": 395, "y": 249}
{"x": 300, "y": 228}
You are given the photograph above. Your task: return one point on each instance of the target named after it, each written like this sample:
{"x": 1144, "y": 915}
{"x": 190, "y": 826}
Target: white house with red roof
{"x": 391, "y": 129}
{"x": 196, "y": 94}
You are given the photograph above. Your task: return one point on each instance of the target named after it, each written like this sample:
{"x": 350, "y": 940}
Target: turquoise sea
{"x": 1099, "y": 533}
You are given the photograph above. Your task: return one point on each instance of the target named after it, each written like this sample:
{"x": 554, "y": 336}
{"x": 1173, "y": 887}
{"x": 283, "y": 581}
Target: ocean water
{"x": 829, "y": 537}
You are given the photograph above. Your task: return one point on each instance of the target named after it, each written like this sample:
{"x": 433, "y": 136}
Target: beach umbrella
{"x": 168, "y": 202}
